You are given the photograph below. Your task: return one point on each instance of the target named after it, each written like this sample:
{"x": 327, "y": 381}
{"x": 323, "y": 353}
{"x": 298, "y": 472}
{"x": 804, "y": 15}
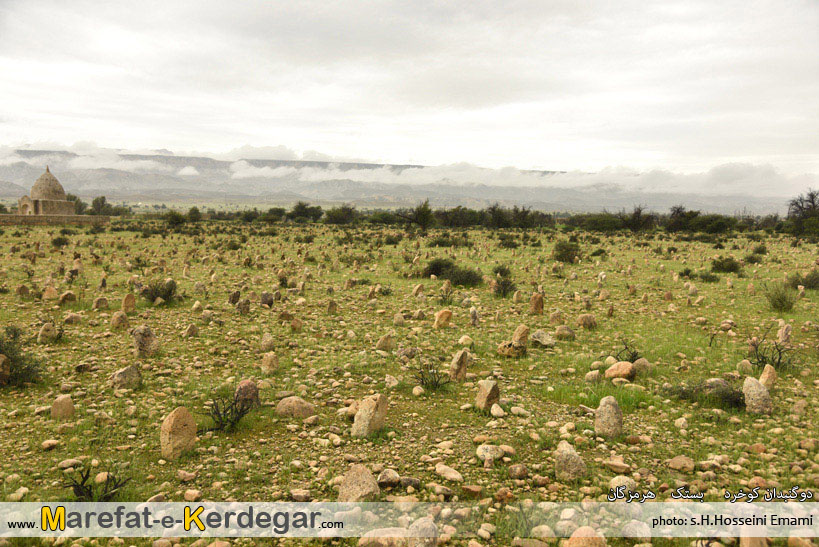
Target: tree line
{"x": 802, "y": 218}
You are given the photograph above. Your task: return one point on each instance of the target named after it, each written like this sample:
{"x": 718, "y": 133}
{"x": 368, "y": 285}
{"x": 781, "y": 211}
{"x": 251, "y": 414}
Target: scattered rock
{"x": 757, "y": 398}
{"x": 371, "y": 416}
{"x": 295, "y": 407}
{"x": 608, "y": 419}
{"x": 177, "y": 434}
{"x": 358, "y": 485}
{"x": 488, "y": 394}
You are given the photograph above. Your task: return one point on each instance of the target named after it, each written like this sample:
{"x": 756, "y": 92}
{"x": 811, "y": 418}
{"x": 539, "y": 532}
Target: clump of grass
{"x": 226, "y": 412}
{"x": 447, "y": 240}
{"x": 430, "y": 377}
{"x": 707, "y": 277}
{"x": 753, "y": 259}
{"x": 60, "y": 241}
{"x": 87, "y": 490}
{"x": 446, "y": 295}
{"x": 385, "y": 290}
{"x": 437, "y": 267}
{"x": 23, "y": 368}
{"x": 714, "y": 396}
{"x": 166, "y": 290}
{"x": 566, "y": 251}
{"x": 443, "y": 268}
{"x": 568, "y": 393}
{"x": 762, "y": 351}
{"x": 727, "y": 264}
{"x": 780, "y": 296}
{"x": 809, "y": 280}
{"x": 628, "y": 352}
{"x": 504, "y": 287}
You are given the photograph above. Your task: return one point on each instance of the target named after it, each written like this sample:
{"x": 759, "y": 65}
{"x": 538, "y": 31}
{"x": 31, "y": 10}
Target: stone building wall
{"x": 53, "y": 220}
{"x": 52, "y": 207}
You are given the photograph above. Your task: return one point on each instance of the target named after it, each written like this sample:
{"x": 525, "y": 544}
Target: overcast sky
{"x": 561, "y": 84}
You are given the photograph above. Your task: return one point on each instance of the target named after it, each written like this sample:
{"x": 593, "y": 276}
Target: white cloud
{"x": 726, "y": 179}
{"x": 188, "y": 171}
{"x": 244, "y": 170}
{"x": 682, "y": 84}
{"x": 105, "y": 159}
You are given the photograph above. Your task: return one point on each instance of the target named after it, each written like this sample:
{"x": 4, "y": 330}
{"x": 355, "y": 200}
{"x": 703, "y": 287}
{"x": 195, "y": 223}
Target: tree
{"x": 174, "y": 218}
{"x": 303, "y": 212}
{"x": 345, "y": 214}
{"x": 194, "y": 215}
{"x": 99, "y": 206}
{"x": 638, "y": 220}
{"x": 249, "y": 215}
{"x": 274, "y": 214}
{"x": 804, "y": 206}
{"x": 498, "y": 216}
{"x": 421, "y": 215}
{"x": 79, "y": 205}
{"x": 3, "y": 209}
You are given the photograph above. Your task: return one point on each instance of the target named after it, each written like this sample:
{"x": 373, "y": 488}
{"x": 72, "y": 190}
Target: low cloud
{"x": 243, "y": 170}
{"x": 188, "y": 171}
{"x": 112, "y": 160}
{"x": 738, "y": 179}
{"x": 726, "y": 179}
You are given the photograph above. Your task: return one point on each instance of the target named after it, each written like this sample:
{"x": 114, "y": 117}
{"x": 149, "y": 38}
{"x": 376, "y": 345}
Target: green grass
{"x": 254, "y": 462}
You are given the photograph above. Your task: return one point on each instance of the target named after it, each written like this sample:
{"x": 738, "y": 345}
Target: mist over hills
{"x": 176, "y": 179}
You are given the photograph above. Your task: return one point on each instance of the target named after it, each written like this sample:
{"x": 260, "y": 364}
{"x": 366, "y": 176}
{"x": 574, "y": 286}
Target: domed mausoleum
{"x": 47, "y": 198}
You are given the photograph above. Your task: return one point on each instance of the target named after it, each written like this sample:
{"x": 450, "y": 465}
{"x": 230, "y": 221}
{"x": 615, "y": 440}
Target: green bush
{"x": 566, "y": 251}
{"x": 448, "y": 240}
{"x": 175, "y": 219}
{"x": 708, "y": 277}
{"x": 781, "y": 298}
{"x": 726, "y": 264}
{"x": 166, "y": 290}
{"x": 60, "y": 241}
{"x": 809, "y": 280}
{"x": 714, "y": 396}
{"x": 502, "y": 271}
{"x": 438, "y": 266}
{"x": 504, "y": 287}
{"x": 443, "y": 268}
{"x": 23, "y": 368}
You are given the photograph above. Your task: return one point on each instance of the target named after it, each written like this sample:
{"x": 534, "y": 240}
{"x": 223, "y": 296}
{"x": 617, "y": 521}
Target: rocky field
{"x": 227, "y": 361}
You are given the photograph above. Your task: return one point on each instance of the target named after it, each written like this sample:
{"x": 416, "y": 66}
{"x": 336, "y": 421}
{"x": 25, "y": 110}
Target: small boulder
{"x": 126, "y": 378}
{"x": 62, "y": 408}
{"x": 621, "y": 369}
{"x": 460, "y": 362}
{"x": 608, "y": 419}
{"x": 247, "y": 393}
{"x": 768, "y": 377}
{"x": 177, "y": 434}
{"x": 569, "y": 466}
{"x": 295, "y": 407}
{"x": 371, "y": 415}
{"x": 442, "y": 319}
{"x": 757, "y": 398}
{"x": 488, "y": 394}
{"x": 358, "y": 485}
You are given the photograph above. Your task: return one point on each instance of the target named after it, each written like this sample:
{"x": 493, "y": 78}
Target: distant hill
{"x": 253, "y": 182}
{"x": 11, "y": 190}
